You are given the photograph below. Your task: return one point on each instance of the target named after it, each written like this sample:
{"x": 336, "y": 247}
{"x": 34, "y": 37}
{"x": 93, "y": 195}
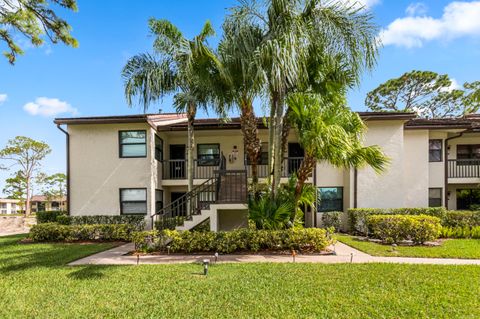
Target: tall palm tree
{"x": 179, "y": 66}
{"x": 240, "y": 85}
{"x": 329, "y": 131}
{"x": 293, "y": 31}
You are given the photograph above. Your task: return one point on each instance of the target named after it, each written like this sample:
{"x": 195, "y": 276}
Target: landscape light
{"x": 205, "y": 266}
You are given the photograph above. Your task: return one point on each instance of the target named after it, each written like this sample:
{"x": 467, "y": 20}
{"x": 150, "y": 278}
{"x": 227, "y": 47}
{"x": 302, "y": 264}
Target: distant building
{"x": 10, "y": 206}
{"x": 40, "y": 203}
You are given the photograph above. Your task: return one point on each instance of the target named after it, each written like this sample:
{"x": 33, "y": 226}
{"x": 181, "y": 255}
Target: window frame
{"x": 198, "y": 154}
{"x": 131, "y": 201}
{"x": 342, "y": 200}
{"x": 120, "y": 144}
{"x": 158, "y": 158}
{"x": 431, "y": 150}
{"x": 471, "y": 152}
{"x": 432, "y": 198}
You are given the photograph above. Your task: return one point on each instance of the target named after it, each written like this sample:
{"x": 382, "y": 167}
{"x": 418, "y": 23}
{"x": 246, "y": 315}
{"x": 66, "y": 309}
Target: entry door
{"x": 179, "y": 210}
{"x": 294, "y": 150}
{"x": 177, "y": 165}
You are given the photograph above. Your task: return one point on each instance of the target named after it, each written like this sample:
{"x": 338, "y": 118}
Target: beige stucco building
{"x": 10, "y": 206}
{"x": 136, "y": 165}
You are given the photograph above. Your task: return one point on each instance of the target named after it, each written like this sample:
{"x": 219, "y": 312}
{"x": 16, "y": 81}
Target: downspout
{"x": 355, "y": 178}
{"x": 68, "y": 166}
{"x": 445, "y": 159}
{"x": 316, "y": 196}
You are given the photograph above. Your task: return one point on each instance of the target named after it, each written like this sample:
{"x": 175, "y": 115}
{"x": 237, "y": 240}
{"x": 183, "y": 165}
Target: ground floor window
{"x": 133, "y": 201}
{"x": 434, "y": 197}
{"x": 329, "y": 199}
{"x": 468, "y": 198}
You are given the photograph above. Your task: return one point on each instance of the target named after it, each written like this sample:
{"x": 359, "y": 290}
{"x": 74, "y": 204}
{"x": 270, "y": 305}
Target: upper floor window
{"x": 208, "y": 154}
{"x": 158, "y": 148}
{"x": 133, "y": 143}
{"x": 133, "y": 201}
{"x": 435, "y": 150}
{"x": 468, "y": 151}
{"x": 330, "y": 199}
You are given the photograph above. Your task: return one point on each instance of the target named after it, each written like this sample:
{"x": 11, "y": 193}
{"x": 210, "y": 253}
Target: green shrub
{"x": 332, "y": 219}
{"x": 135, "y": 220}
{"x": 357, "y": 217}
{"x": 458, "y": 218}
{"x": 49, "y": 216}
{"x": 308, "y": 239}
{"x": 63, "y": 220}
{"x": 98, "y": 232}
{"x": 395, "y": 228}
{"x": 169, "y": 222}
{"x": 461, "y": 232}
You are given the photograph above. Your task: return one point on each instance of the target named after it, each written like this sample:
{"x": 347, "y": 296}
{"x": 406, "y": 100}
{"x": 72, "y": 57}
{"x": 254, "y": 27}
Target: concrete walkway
{"x": 344, "y": 254}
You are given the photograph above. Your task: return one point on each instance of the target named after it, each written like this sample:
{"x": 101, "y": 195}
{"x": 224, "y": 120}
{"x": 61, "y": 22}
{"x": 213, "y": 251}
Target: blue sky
{"x": 58, "y": 81}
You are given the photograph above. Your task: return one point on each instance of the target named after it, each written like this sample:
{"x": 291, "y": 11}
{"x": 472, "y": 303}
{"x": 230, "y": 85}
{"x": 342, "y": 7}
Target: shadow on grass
{"x": 87, "y": 272}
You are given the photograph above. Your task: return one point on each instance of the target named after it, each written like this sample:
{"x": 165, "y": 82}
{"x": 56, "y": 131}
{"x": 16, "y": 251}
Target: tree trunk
{"x": 251, "y": 141}
{"x": 191, "y": 145}
{"x": 277, "y": 154}
{"x": 271, "y": 138}
{"x": 285, "y": 132}
{"x": 305, "y": 170}
{"x": 27, "y": 200}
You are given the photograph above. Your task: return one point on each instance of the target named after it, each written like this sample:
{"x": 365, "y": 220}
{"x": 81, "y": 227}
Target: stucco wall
{"x": 387, "y": 189}
{"x": 416, "y": 168}
{"x": 232, "y": 219}
{"x": 97, "y": 172}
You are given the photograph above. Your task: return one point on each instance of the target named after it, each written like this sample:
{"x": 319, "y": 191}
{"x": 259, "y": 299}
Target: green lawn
{"x": 35, "y": 283}
{"x": 450, "y": 248}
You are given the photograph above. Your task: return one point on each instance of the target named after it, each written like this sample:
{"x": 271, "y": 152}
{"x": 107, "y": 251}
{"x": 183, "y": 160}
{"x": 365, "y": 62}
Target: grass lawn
{"x": 35, "y": 283}
{"x": 450, "y": 248}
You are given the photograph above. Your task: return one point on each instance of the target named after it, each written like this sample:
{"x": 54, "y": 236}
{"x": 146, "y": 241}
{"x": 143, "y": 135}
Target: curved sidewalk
{"x": 344, "y": 254}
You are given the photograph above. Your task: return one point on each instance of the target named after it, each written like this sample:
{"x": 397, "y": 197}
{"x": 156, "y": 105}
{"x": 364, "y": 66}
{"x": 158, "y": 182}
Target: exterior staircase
{"x": 227, "y": 189}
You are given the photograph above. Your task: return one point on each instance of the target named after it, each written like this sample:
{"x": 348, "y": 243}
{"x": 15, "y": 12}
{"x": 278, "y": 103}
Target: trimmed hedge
{"x": 461, "y": 232}
{"x": 396, "y": 228}
{"x": 49, "y": 216}
{"x": 461, "y": 218}
{"x": 137, "y": 221}
{"x": 332, "y": 219}
{"x": 100, "y": 232}
{"x": 307, "y": 239}
{"x": 357, "y": 217}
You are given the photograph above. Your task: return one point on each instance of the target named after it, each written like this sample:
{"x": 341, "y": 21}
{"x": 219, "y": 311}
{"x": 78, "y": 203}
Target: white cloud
{"x": 3, "y": 98}
{"x": 363, "y": 3}
{"x": 45, "y": 106}
{"x": 416, "y": 9}
{"x": 459, "y": 19}
{"x": 454, "y": 86}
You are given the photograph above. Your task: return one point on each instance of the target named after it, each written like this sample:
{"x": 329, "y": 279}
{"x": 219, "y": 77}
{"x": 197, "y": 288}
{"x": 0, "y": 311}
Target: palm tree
{"x": 179, "y": 66}
{"x": 294, "y": 34}
{"x": 329, "y": 131}
{"x": 240, "y": 85}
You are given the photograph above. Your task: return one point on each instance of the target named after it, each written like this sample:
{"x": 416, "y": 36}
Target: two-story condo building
{"x": 137, "y": 165}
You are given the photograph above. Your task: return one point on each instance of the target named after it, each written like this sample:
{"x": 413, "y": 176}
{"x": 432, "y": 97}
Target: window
{"x": 3, "y": 205}
{"x": 329, "y": 199}
{"x": 435, "y": 150}
{"x": 133, "y": 201}
{"x": 158, "y": 200}
{"x": 263, "y": 160}
{"x": 133, "y": 143}
{"x": 3, "y": 211}
{"x": 158, "y": 148}
{"x": 55, "y": 206}
{"x": 208, "y": 154}
{"x": 434, "y": 197}
{"x": 468, "y": 151}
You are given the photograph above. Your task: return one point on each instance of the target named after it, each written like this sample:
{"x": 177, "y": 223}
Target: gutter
{"x": 445, "y": 158}
{"x": 68, "y": 166}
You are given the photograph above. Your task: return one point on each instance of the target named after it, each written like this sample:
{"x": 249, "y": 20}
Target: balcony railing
{"x": 464, "y": 168}
{"x": 177, "y": 169}
{"x": 290, "y": 166}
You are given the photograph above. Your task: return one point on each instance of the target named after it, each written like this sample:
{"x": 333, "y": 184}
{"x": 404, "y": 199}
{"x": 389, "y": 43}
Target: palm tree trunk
{"x": 271, "y": 138}
{"x": 192, "y": 110}
{"x": 252, "y": 142}
{"x": 305, "y": 170}
{"x": 278, "y": 155}
{"x": 285, "y": 132}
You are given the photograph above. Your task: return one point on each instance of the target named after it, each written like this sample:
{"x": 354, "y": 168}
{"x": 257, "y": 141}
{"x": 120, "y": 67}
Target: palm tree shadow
{"x": 87, "y": 272}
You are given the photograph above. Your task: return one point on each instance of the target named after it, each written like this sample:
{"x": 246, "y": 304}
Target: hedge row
{"x": 396, "y": 228}
{"x": 332, "y": 219}
{"x": 307, "y": 239}
{"x": 460, "y": 232}
{"x": 357, "y": 217}
{"x": 62, "y": 218}
{"x": 105, "y": 232}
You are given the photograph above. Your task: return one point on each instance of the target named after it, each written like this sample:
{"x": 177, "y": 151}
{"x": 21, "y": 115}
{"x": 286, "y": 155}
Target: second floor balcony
{"x": 463, "y": 168}
{"x": 176, "y": 169}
